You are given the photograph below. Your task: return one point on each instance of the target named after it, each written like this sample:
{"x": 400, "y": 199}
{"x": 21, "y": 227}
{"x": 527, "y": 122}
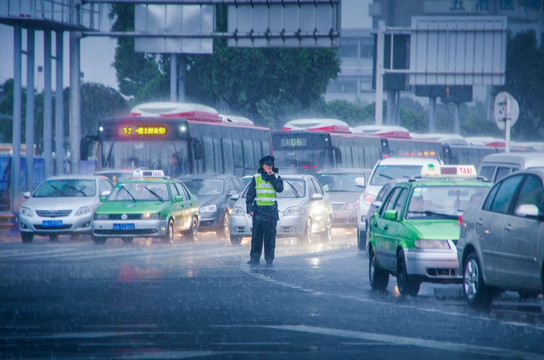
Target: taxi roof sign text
{"x": 452, "y": 171}
{"x": 139, "y": 173}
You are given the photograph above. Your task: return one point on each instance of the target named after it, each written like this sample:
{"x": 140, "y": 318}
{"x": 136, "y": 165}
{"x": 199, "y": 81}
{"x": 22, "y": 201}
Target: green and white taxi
{"x": 147, "y": 205}
{"x": 413, "y": 234}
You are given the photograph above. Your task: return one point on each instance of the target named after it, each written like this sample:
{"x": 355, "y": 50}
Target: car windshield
{"x": 66, "y": 188}
{"x": 338, "y": 182}
{"x": 384, "y": 173}
{"x": 443, "y": 201}
{"x": 140, "y": 191}
{"x": 205, "y": 186}
{"x": 292, "y": 188}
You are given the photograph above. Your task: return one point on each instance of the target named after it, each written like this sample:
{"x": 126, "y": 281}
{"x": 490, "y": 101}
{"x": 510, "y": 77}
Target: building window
{"x": 348, "y": 47}
{"x": 343, "y": 85}
{"x": 367, "y": 48}
{"x": 365, "y": 83}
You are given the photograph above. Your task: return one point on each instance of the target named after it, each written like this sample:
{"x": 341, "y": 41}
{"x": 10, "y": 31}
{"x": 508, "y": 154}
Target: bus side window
{"x": 238, "y": 157}
{"x": 228, "y": 159}
{"x": 249, "y": 162}
{"x": 217, "y": 156}
{"x": 209, "y": 163}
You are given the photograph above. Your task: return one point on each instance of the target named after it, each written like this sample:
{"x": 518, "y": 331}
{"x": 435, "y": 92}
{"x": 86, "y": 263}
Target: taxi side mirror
{"x": 391, "y": 215}
{"x": 178, "y": 198}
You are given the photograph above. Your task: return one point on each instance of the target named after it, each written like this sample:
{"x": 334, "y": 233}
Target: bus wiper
{"x": 76, "y": 189}
{"x": 154, "y": 194}
{"x": 128, "y": 192}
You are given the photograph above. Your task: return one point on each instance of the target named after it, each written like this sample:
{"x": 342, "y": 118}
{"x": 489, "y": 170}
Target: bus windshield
{"x": 169, "y": 155}
{"x": 302, "y": 159}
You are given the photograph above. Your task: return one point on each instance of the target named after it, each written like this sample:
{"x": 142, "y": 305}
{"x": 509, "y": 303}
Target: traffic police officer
{"x": 261, "y": 205}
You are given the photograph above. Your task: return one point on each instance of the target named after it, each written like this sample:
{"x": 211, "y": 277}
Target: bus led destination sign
{"x": 294, "y": 142}
{"x": 143, "y": 131}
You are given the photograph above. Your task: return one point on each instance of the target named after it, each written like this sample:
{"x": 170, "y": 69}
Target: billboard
{"x": 458, "y": 50}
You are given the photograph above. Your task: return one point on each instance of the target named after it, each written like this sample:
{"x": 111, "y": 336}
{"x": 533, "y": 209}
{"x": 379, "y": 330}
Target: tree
{"x": 267, "y": 85}
{"x": 525, "y": 82}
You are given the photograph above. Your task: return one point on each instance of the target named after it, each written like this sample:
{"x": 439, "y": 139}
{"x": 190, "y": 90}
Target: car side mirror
{"x": 360, "y": 182}
{"x": 391, "y": 215}
{"x": 232, "y": 192}
{"x": 376, "y": 203}
{"x": 525, "y": 210}
{"x": 235, "y": 196}
{"x": 178, "y": 198}
{"x": 104, "y": 195}
{"x": 317, "y": 197}
{"x": 26, "y": 194}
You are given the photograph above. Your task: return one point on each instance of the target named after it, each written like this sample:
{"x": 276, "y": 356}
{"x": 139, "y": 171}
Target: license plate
{"x": 123, "y": 227}
{"x": 52, "y": 223}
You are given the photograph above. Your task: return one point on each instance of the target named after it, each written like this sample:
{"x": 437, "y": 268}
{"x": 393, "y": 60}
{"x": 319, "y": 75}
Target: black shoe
{"x": 269, "y": 264}
{"x": 253, "y": 263}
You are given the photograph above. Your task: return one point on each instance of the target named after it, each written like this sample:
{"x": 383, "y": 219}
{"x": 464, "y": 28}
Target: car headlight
{"x": 239, "y": 211}
{"x": 150, "y": 216}
{"x": 101, "y": 216}
{"x": 209, "y": 209}
{"x": 432, "y": 244}
{"x": 353, "y": 205}
{"x": 294, "y": 211}
{"x": 26, "y": 211}
{"x": 84, "y": 211}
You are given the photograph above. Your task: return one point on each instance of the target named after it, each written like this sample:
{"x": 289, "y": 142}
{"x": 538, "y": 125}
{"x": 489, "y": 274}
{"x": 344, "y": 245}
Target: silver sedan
{"x": 62, "y": 205}
{"x": 304, "y": 210}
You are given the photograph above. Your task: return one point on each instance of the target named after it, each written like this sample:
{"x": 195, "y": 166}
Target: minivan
{"x": 496, "y": 166}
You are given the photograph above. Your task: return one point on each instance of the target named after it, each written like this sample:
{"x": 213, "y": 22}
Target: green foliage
{"x": 525, "y": 82}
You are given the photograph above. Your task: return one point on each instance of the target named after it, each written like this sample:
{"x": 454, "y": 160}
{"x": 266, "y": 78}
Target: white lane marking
{"x": 394, "y": 340}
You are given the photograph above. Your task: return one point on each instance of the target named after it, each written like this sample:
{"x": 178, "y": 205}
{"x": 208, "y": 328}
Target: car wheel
{"x": 477, "y": 294}
{"x": 407, "y": 284}
{"x": 127, "y": 240}
{"x": 53, "y": 237}
{"x": 235, "y": 240}
{"x": 361, "y": 240}
{"x": 192, "y": 233}
{"x": 307, "y": 237}
{"x": 99, "y": 240}
{"x": 378, "y": 277}
{"x": 224, "y": 232}
{"x": 27, "y": 237}
{"x": 327, "y": 234}
{"x": 169, "y": 237}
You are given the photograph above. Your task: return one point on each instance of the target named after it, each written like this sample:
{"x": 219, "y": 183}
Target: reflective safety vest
{"x": 266, "y": 194}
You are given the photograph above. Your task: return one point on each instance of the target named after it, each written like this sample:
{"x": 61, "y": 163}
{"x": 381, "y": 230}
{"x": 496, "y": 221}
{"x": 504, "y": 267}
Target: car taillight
{"x": 460, "y": 219}
{"x": 368, "y": 198}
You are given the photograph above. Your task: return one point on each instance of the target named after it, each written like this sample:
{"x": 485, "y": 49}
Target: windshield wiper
{"x": 128, "y": 192}
{"x": 76, "y": 189}
{"x": 386, "y": 176}
{"x": 154, "y": 194}
{"x": 294, "y": 190}
{"x": 430, "y": 213}
{"x": 58, "y": 190}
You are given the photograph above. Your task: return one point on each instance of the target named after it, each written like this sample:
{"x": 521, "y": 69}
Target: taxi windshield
{"x": 443, "y": 201}
{"x": 66, "y": 188}
{"x": 140, "y": 191}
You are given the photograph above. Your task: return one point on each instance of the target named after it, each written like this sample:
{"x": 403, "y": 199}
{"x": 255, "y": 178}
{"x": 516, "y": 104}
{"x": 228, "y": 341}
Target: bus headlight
{"x": 432, "y": 244}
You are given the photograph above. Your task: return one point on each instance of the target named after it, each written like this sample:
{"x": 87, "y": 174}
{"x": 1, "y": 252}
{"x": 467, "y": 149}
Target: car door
{"x": 490, "y": 223}
{"x": 186, "y": 207}
{"x": 176, "y": 207}
{"x": 519, "y": 246}
{"x": 382, "y": 232}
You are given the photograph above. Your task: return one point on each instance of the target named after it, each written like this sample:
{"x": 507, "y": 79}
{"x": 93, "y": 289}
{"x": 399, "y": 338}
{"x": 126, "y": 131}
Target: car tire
{"x": 54, "y": 237}
{"x": 27, "y": 237}
{"x": 361, "y": 240}
{"x": 476, "y": 293}
{"x": 326, "y": 235}
{"x": 127, "y": 240}
{"x": 192, "y": 233}
{"x": 307, "y": 236}
{"x": 407, "y": 284}
{"x": 170, "y": 234}
{"x": 235, "y": 240}
{"x": 99, "y": 240}
{"x": 224, "y": 232}
{"x": 378, "y": 277}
